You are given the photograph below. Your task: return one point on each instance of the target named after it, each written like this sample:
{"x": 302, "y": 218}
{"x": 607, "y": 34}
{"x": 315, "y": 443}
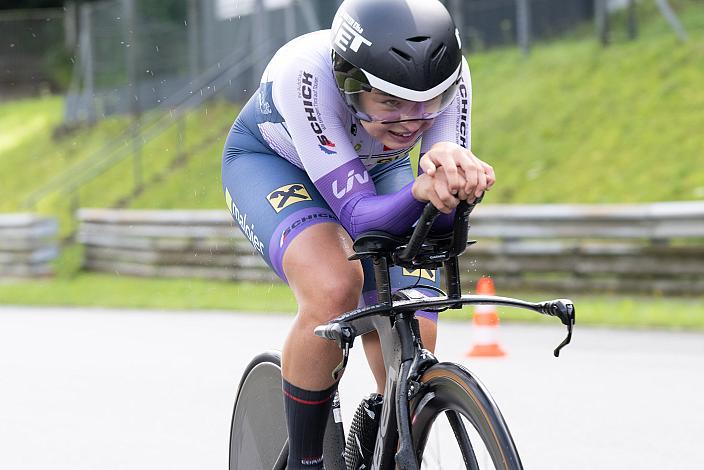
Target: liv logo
{"x": 351, "y": 178}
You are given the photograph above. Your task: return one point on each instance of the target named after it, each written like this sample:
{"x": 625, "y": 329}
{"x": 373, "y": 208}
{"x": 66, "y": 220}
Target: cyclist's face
{"x": 395, "y": 135}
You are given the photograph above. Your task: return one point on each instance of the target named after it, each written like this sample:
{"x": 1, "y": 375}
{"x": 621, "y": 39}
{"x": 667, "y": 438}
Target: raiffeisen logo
{"x": 347, "y": 33}
{"x": 286, "y": 195}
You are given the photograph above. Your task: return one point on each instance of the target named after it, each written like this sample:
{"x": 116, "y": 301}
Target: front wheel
{"x": 457, "y": 425}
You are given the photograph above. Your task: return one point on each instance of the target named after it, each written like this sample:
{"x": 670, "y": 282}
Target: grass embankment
{"x": 575, "y": 122}
{"x": 33, "y": 156}
{"x": 571, "y": 123}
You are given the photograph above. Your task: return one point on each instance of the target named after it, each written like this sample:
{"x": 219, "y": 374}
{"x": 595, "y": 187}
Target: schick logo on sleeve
{"x": 308, "y": 92}
{"x": 351, "y": 178}
{"x": 348, "y": 33}
{"x": 464, "y": 114}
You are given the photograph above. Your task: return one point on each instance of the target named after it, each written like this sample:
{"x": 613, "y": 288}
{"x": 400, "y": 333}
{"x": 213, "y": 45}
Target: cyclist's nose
{"x": 412, "y": 126}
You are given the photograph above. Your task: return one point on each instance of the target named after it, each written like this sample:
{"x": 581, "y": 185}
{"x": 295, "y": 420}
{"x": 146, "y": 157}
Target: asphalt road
{"x": 88, "y": 389}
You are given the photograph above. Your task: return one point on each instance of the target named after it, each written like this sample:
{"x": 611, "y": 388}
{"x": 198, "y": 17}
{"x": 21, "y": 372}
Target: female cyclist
{"x": 320, "y": 154}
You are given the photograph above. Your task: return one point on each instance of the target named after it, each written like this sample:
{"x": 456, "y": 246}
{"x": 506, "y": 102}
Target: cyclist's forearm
{"x": 394, "y": 213}
{"x": 351, "y": 194}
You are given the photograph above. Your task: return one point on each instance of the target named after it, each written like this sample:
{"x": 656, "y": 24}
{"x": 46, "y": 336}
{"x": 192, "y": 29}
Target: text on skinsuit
{"x": 264, "y": 106}
{"x": 351, "y": 178}
{"x": 310, "y": 461}
{"x": 302, "y": 220}
{"x": 464, "y": 111}
{"x": 309, "y": 108}
{"x": 241, "y": 219}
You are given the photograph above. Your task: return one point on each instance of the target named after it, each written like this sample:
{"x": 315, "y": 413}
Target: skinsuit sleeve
{"x": 308, "y": 100}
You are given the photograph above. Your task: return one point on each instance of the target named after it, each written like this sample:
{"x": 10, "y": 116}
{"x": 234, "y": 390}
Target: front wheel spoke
{"x": 470, "y": 460}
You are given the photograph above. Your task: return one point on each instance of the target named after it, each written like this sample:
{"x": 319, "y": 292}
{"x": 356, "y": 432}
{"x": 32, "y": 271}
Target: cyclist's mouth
{"x": 404, "y": 137}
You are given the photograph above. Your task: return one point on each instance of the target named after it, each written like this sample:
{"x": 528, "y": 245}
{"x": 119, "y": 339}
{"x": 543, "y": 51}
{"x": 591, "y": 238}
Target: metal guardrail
{"x": 175, "y": 243}
{"x": 631, "y": 248}
{"x": 27, "y": 245}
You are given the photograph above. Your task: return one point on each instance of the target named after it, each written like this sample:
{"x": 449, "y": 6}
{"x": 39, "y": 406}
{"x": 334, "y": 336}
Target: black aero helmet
{"x": 406, "y": 49}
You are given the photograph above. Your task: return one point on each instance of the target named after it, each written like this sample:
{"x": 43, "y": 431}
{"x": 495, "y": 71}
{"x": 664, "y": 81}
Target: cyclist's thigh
{"x": 319, "y": 272}
{"x": 387, "y": 179}
{"x": 272, "y": 201}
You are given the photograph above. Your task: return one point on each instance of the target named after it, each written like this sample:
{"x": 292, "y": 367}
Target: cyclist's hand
{"x": 436, "y": 189}
{"x": 479, "y": 176}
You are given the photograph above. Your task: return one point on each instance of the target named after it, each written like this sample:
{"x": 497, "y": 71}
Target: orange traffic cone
{"x": 485, "y": 325}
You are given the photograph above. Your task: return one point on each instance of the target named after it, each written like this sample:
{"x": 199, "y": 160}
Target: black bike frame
{"x": 404, "y": 357}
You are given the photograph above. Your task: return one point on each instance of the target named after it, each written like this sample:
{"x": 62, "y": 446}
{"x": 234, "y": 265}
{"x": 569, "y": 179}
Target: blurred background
{"x": 130, "y": 303}
{"x": 591, "y": 111}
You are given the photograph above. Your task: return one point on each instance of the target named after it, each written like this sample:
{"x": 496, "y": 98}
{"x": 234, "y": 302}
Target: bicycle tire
{"x": 449, "y": 388}
{"x": 258, "y": 430}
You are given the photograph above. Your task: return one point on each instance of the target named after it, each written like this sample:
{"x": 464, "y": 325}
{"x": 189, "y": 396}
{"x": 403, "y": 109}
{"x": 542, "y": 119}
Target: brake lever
{"x": 564, "y": 342}
{"x": 564, "y": 309}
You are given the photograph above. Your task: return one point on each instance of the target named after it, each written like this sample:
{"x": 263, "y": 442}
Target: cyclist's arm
{"x": 454, "y": 125}
{"x": 314, "y": 115}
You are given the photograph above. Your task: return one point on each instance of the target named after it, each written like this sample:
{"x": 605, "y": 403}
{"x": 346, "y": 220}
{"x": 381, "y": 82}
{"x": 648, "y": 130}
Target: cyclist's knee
{"x": 329, "y": 296}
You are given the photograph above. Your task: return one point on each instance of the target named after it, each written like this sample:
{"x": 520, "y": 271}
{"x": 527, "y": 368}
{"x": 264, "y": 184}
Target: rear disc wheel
{"x": 258, "y": 432}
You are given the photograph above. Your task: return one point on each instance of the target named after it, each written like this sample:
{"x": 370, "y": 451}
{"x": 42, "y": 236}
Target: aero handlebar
{"x": 430, "y": 213}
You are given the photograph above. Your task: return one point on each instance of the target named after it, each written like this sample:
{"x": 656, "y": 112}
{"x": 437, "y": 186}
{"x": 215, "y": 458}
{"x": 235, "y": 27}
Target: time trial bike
{"x": 422, "y": 396}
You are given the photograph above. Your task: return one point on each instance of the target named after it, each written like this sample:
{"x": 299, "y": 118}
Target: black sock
{"x": 306, "y": 417}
